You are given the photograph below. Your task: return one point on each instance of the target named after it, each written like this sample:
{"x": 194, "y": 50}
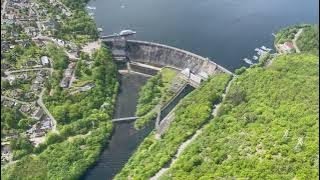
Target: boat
{"x": 248, "y": 61}
{"x": 127, "y": 32}
{"x": 91, "y": 7}
{"x": 265, "y": 48}
{"x": 255, "y": 57}
{"x": 257, "y": 49}
{"x": 100, "y": 29}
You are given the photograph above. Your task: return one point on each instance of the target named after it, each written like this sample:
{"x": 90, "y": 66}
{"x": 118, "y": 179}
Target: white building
{"x": 45, "y": 61}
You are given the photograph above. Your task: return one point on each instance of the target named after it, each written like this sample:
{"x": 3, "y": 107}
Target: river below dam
{"x": 125, "y": 138}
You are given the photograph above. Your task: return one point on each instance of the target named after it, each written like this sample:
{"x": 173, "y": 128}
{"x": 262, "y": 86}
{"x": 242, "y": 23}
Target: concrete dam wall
{"x": 161, "y": 55}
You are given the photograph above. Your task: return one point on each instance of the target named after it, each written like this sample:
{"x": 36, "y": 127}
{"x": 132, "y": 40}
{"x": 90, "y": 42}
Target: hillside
{"x": 267, "y": 127}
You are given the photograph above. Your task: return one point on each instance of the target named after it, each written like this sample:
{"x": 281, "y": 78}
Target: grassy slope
{"x": 191, "y": 113}
{"x": 257, "y": 137}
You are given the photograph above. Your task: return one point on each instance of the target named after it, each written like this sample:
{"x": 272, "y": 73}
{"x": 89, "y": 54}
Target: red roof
{"x": 289, "y": 44}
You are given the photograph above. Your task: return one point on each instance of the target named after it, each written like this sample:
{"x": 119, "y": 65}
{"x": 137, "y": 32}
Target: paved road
{"x": 295, "y": 40}
{"x": 40, "y": 102}
{"x": 26, "y": 70}
{"x": 3, "y": 8}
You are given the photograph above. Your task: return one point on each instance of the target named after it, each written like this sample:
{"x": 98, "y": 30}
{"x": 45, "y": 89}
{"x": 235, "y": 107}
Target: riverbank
{"x": 125, "y": 138}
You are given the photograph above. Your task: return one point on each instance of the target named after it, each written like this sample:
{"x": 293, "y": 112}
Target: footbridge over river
{"x": 125, "y": 119}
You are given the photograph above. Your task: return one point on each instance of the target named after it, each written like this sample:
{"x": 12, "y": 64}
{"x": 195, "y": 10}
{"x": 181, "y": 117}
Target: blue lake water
{"x": 223, "y": 30}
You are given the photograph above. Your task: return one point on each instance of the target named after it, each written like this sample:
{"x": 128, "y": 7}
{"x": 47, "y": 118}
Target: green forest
{"x": 309, "y": 40}
{"x": 267, "y": 128}
{"x": 288, "y": 33}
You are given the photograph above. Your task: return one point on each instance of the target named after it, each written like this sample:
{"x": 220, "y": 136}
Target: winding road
{"x": 295, "y": 40}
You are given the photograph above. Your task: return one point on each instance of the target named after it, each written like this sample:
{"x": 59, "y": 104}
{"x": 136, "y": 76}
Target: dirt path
{"x": 295, "y": 40}
{"x": 185, "y": 144}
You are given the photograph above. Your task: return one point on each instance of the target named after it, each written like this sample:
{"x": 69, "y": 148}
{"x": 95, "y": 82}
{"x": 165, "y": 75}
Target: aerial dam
{"x": 135, "y": 58}
{"x": 161, "y": 55}
{"x": 149, "y": 57}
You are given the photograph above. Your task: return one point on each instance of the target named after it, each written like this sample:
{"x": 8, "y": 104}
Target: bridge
{"x": 125, "y": 119}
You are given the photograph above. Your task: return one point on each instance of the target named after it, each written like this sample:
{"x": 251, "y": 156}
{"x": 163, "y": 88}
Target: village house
{"x": 5, "y": 66}
{"x": 48, "y": 25}
{"x": 45, "y": 123}
{"x": 4, "y": 46}
{"x": 45, "y": 61}
{"x": 16, "y": 93}
{"x": 7, "y": 103}
{"x": 37, "y": 114}
{"x": 65, "y": 82}
{"x": 5, "y": 152}
{"x": 25, "y": 108}
{"x": 286, "y": 47}
{"x": 35, "y": 87}
{"x": 29, "y": 95}
{"x": 38, "y": 80}
{"x": 11, "y": 79}
{"x": 31, "y": 31}
{"x": 22, "y": 76}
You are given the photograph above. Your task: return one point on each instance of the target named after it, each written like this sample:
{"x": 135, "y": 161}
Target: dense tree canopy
{"x": 266, "y": 129}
